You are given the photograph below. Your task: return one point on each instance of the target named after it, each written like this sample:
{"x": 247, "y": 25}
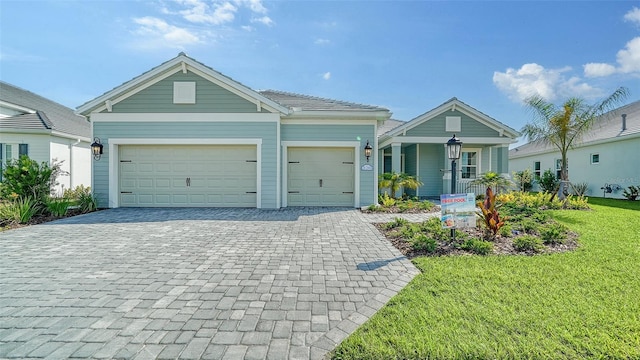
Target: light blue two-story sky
{"x": 408, "y": 56}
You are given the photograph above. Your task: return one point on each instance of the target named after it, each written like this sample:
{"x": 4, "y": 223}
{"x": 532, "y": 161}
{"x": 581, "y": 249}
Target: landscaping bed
{"x": 579, "y": 304}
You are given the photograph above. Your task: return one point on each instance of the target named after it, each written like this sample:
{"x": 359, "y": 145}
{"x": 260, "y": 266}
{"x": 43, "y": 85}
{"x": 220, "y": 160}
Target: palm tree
{"x": 564, "y": 126}
{"x": 494, "y": 181}
{"x": 395, "y": 181}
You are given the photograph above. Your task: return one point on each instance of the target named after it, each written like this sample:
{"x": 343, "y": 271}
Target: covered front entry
{"x": 320, "y": 176}
{"x": 188, "y": 175}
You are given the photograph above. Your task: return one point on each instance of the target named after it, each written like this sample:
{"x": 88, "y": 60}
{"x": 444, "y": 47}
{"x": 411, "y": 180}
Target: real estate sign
{"x": 458, "y": 210}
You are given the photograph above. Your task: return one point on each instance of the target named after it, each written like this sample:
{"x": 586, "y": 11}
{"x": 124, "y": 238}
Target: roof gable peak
{"x": 183, "y": 63}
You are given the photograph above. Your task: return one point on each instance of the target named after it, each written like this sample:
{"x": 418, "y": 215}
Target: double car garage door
{"x": 226, "y": 176}
{"x": 188, "y": 175}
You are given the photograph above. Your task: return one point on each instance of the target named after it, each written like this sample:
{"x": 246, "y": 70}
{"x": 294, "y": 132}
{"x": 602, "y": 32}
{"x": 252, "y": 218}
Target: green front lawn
{"x": 575, "y": 305}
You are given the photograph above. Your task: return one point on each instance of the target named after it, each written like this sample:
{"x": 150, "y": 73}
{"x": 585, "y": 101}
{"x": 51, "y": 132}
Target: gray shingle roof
{"x": 49, "y": 114}
{"x": 389, "y": 125}
{"x": 607, "y": 128}
{"x": 311, "y": 103}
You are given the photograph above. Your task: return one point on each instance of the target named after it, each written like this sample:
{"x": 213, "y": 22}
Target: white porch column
{"x": 396, "y": 151}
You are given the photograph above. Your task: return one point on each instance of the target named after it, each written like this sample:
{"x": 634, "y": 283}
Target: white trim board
{"x": 321, "y": 144}
{"x": 444, "y": 139}
{"x": 114, "y": 160}
{"x": 184, "y": 117}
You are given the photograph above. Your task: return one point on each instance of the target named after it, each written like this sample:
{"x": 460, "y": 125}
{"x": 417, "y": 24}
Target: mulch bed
{"x": 501, "y": 246}
{"x": 39, "y": 219}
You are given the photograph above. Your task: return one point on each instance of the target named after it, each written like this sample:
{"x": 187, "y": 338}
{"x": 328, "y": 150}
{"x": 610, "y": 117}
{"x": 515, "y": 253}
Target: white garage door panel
{"x": 320, "y": 176}
{"x": 156, "y": 175}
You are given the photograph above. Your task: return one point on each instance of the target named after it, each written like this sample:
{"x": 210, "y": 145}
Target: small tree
{"x": 394, "y": 181}
{"x": 494, "y": 181}
{"x": 25, "y": 178}
{"x": 524, "y": 179}
{"x": 563, "y": 126}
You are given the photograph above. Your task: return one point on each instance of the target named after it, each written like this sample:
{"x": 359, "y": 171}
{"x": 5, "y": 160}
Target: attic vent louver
{"x": 624, "y": 122}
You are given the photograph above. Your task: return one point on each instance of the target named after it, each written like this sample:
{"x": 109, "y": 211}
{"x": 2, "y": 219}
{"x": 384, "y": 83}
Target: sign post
{"x": 458, "y": 211}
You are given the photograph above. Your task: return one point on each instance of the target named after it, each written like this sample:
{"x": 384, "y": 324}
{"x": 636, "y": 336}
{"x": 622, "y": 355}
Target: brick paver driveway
{"x": 193, "y": 283}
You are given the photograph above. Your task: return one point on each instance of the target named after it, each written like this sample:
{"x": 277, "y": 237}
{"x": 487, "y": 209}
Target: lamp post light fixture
{"x": 96, "y": 148}
{"x": 367, "y": 151}
{"x": 454, "y": 145}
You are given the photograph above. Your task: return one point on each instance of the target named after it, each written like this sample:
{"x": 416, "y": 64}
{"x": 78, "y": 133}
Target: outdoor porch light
{"x": 96, "y": 148}
{"x": 453, "y": 148}
{"x": 454, "y": 145}
{"x": 367, "y": 151}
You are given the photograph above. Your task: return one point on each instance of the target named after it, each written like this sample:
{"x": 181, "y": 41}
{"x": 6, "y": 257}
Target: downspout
{"x": 71, "y": 162}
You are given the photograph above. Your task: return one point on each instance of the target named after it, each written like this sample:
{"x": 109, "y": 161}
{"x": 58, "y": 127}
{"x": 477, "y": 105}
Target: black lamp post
{"x": 454, "y": 145}
{"x": 96, "y": 148}
{"x": 367, "y": 151}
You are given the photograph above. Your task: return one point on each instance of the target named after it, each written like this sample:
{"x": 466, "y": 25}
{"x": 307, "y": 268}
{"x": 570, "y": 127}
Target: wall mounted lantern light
{"x": 96, "y": 148}
{"x": 367, "y": 151}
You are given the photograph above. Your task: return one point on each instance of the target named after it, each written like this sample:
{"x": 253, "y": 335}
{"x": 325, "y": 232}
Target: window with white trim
{"x": 536, "y": 170}
{"x": 559, "y": 167}
{"x": 10, "y": 152}
{"x": 595, "y": 159}
{"x": 469, "y": 164}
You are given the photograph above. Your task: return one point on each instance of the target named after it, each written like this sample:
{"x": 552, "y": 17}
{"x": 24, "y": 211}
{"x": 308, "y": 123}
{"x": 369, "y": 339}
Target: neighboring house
{"x": 417, "y": 147}
{"x": 607, "y": 156}
{"x": 45, "y": 131}
{"x": 183, "y": 134}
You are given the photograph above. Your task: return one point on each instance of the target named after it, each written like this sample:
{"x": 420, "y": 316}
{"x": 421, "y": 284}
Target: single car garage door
{"x": 188, "y": 175}
{"x": 320, "y": 176}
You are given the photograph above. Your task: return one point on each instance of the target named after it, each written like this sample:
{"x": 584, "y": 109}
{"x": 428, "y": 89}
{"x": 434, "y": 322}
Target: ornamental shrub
{"x": 548, "y": 181}
{"x": 477, "y": 246}
{"x": 528, "y": 243}
{"x": 58, "y": 207}
{"x": 424, "y": 243}
{"x": 523, "y": 179}
{"x": 25, "y": 178}
{"x": 554, "y": 233}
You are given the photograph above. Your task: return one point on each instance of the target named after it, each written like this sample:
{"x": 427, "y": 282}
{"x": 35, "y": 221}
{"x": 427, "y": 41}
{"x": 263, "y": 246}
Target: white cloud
{"x": 628, "y": 62}
{"x": 326, "y": 75}
{"x": 200, "y": 12}
{"x": 629, "y": 57}
{"x": 159, "y": 30}
{"x": 248, "y": 28}
{"x": 254, "y": 5}
{"x": 322, "y": 42}
{"x": 633, "y": 16}
{"x": 598, "y": 69}
{"x": 533, "y": 79}
{"x": 263, "y": 20}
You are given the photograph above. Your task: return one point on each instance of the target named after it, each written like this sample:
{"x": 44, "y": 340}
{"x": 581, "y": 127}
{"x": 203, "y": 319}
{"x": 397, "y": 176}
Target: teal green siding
{"x": 267, "y": 131}
{"x": 158, "y": 98}
{"x": 299, "y": 132}
{"x": 435, "y": 127}
{"x": 431, "y": 162}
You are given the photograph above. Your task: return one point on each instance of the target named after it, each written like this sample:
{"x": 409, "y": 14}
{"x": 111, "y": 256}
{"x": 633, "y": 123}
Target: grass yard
{"x": 575, "y": 305}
